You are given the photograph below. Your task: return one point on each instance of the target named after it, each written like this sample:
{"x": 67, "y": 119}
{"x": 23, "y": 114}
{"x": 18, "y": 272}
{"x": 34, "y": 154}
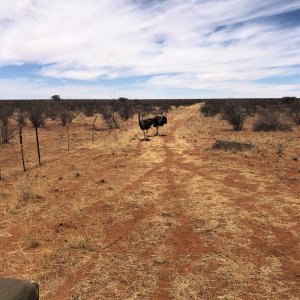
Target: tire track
{"x": 117, "y": 231}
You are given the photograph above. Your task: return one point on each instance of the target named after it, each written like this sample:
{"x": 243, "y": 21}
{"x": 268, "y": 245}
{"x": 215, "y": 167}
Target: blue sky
{"x": 149, "y": 49}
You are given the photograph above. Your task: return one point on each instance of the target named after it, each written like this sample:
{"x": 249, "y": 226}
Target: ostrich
{"x": 145, "y": 125}
{"x": 159, "y": 121}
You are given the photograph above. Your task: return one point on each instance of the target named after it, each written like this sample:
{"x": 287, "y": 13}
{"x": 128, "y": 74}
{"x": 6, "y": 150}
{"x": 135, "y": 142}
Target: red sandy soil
{"x": 169, "y": 218}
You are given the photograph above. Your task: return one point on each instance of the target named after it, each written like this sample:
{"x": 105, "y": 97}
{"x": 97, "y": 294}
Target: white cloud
{"x": 90, "y": 39}
{"x": 181, "y": 86}
{"x": 226, "y": 88}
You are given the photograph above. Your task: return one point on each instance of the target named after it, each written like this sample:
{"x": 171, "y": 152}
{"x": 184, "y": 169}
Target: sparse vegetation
{"x": 170, "y": 218}
{"x": 211, "y": 108}
{"x": 29, "y": 190}
{"x": 6, "y": 112}
{"x": 37, "y": 115}
{"x": 232, "y": 145}
{"x": 235, "y": 115}
{"x": 126, "y": 111}
{"x": 293, "y": 112}
{"x": 21, "y": 119}
{"x": 31, "y": 242}
{"x": 66, "y": 117}
{"x": 110, "y": 117}
{"x": 78, "y": 242}
{"x": 270, "y": 121}
{"x": 280, "y": 149}
{"x": 37, "y": 118}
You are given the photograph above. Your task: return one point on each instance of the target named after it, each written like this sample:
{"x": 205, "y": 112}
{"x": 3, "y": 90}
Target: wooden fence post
{"x": 22, "y": 151}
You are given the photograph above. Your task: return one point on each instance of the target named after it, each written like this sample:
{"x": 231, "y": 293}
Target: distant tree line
{"x": 235, "y": 111}
{"x": 90, "y": 107}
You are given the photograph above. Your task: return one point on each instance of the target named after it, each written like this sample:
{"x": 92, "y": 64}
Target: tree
{"x": 123, "y": 99}
{"x": 56, "y": 98}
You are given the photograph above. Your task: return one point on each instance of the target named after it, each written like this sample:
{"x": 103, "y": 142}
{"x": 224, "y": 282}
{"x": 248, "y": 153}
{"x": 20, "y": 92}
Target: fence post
{"x": 22, "y": 151}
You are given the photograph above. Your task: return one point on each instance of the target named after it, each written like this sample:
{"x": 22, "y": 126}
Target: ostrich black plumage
{"x": 159, "y": 121}
{"x": 145, "y": 125}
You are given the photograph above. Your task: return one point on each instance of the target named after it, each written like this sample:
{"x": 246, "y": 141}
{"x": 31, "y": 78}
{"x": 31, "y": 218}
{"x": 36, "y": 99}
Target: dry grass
{"x": 30, "y": 190}
{"x": 166, "y": 219}
{"x": 232, "y": 145}
{"x": 78, "y": 242}
{"x": 31, "y": 241}
{"x": 124, "y": 276}
{"x": 190, "y": 286}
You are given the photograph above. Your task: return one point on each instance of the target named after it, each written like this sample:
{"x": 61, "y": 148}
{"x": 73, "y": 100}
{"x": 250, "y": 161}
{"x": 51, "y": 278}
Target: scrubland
{"x": 170, "y": 218}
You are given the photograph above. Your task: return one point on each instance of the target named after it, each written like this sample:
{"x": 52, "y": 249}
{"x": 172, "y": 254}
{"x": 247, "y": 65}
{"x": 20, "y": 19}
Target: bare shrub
{"x": 37, "y": 115}
{"x": 6, "y": 112}
{"x": 147, "y": 108}
{"x": 210, "y": 108}
{"x": 52, "y": 114}
{"x": 270, "y": 121}
{"x": 66, "y": 117}
{"x": 110, "y": 117}
{"x": 163, "y": 108}
{"x": 251, "y": 108}
{"x": 21, "y": 119}
{"x": 126, "y": 111}
{"x": 232, "y": 145}
{"x": 90, "y": 110}
{"x": 293, "y": 113}
{"x": 235, "y": 115}
{"x": 37, "y": 118}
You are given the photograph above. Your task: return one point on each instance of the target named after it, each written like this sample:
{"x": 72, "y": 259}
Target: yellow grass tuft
{"x": 30, "y": 190}
{"x": 78, "y": 242}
